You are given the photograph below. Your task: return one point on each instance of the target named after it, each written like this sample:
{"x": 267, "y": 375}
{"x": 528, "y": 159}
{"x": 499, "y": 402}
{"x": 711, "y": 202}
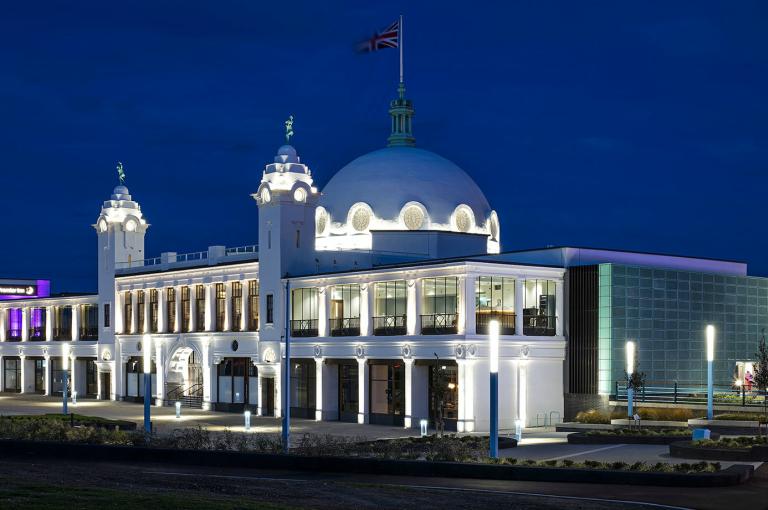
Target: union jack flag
{"x": 387, "y": 38}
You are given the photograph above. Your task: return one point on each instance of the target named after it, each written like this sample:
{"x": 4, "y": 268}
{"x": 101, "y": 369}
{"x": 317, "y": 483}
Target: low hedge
{"x": 73, "y": 419}
{"x": 758, "y": 417}
{"x": 646, "y": 413}
{"x": 740, "y": 442}
{"x": 641, "y": 432}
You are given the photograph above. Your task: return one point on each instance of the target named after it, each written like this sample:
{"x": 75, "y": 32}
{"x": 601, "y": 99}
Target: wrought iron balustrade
{"x": 348, "y": 326}
{"x": 304, "y": 327}
{"x": 506, "y": 322}
{"x": 439, "y": 324}
{"x": 389, "y": 325}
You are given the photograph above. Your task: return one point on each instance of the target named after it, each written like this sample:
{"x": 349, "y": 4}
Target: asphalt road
{"x": 323, "y": 490}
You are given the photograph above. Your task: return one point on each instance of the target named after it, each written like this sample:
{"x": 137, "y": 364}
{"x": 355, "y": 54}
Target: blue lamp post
{"x": 493, "y": 359}
{"x": 65, "y": 375}
{"x": 630, "y": 350}
{"x": 710, "y": 359}
{"x": 147, "y": 382}
{"x": 286, "y": 379}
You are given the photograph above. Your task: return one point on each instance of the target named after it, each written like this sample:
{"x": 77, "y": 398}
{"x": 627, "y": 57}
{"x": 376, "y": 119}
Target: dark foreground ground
{"x": 57, "y": 484}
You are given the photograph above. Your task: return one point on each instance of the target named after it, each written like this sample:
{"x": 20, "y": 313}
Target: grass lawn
{"x": 52, "y": 497}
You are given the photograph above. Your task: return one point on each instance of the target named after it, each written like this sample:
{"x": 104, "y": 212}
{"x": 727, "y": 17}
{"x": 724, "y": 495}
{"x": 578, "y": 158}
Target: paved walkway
{"x": 164, "y": 418}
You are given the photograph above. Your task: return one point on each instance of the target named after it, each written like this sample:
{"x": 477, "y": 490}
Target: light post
{"x": 710, "y": 359}
{"x": 286, "y": 389}
{"x": 147, "y": 365}
{"x": 630, "y": 350}
{"x": 65, "y": 375}
{"x": 493, "y": 361}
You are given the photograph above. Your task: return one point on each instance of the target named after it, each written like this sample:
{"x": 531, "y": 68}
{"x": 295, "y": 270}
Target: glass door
{"x": 387, "y": 395}
{"x": 348, "y": 392}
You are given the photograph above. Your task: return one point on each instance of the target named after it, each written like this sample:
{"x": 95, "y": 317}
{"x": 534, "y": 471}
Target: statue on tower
{"x": 289, "y": 129}
{"x": 120, "y": 173}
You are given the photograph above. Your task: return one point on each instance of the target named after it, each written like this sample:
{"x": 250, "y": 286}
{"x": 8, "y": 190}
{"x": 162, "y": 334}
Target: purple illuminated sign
{"x": 24, "y": 289}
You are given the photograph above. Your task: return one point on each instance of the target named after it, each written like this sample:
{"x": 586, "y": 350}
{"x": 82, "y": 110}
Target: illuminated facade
{"x": 385, "y": 281}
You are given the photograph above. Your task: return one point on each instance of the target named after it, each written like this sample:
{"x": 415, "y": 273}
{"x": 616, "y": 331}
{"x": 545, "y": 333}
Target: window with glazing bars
{"x": 140, "y": 312}
{"x": 153, "y": 310}
{"x": 200, "y": 308}
{"x": 186, "y": 310}
{"x": 253, "y": 305}
{"x": 237, "y": 307}
{"x": 170, "y": 309}
{"x": 221, "y": 303}
{"x": 439, "y": 305}
{"x": 495, "y": 300}
{"x": 127, "y": 312}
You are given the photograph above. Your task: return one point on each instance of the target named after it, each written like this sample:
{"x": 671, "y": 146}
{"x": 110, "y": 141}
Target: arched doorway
{"x": 184, "y": 378}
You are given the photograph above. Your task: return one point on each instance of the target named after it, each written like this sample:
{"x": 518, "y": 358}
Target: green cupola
{"x": 401, "y": 111}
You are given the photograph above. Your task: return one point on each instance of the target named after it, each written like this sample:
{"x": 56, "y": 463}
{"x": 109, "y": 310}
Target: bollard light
{"x": 423, "y": 423}
{"x": 493, "y": 362}
{"x": 247, "y": 421}
{"x": 519, "y": 430}
{"x": 74, "y": 397}
{"x": 178, "y": 410}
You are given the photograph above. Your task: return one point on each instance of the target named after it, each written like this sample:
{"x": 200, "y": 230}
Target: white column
{"x": 519, "y": 304}
{"x": 362, "y": 391}
{"x": 244, "y": 307}
{"x": 135, "y": 312}
{"x": 409, "y": 367}
{"x": 24, "y": 324}
{"x": 193, "y": 325}
{"x": 560, "y": 318}
{"x": 466, "y": 393}
{"x": 228, "y": 307}
{"x": 2, "y": 373}
{"x": 160, "y": 376}
{"x": 119, "y": 324}
{"x": 470, "y": 313}
{"x": 3, "y": 328}
{"x": 47, "y": 374}
{"x": 259, "y": 399}
{"x": 75, "y": 323}
{"x": 114, "y": 377}
{"x": 366, "y": 309}
{"x": 208, "y": 368}
{"x": 319, "y": 389}
{"x": 278, "y": 390}
{"x": 162, "y": 312}
{"x": 323, "y": 310}
{"x": 210, "y": 307}
{"x": 412, "y": 307}
{"x": 145, "y": 326}
{"x": 23, "y": 382}
{"x": 72, "y": 374}
{"x": 522, "y": 392}
{"x": 177, "y": 324}
{"x": 49, "y": 323}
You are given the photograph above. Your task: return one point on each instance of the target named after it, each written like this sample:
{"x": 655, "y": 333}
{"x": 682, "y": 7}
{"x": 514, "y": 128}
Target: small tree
{"x": 760, "y": 377}
{"x": 635, "y": 381}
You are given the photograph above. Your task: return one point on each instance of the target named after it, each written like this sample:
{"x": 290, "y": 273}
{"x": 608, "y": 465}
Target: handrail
{"x": 194, "y": 390}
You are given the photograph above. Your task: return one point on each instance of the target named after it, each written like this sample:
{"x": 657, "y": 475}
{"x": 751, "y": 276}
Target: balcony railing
{"x": 539, "y": 325}
{"x": 348, "y": 326}
{"x": 62, "y": 333}
{"x": 439, "y": 324}
{"x": 253, "y": 324}
{"x": 13, "y": 335}
{"x": 304, "y": 327}
{"x": 506, "y": 322}
{"x": 389, "y": 325}
{"x": 89, "y": 333}
{"x": 37, "y": 334}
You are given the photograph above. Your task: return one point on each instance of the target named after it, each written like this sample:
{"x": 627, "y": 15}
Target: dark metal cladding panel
{"x": 583, "y": 302}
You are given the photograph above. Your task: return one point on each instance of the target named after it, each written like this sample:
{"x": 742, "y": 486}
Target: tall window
{"x": 539, "y": 310}
{"x": 140, "y": 311}
{"x": 303, "y": 388}
{"x": 186, "y": 310}
{"x": 440, "y": 300}
{"x": 200, "y": 308}
{"x": 12, "y": 374}
{"x": 345, "y": 310}
{"x": 221, "y": 303}
{"x": 237, "y": 307}
{"x": 107, "y": 314}
{"x": 13, "y": 333}
{"x": 304, "y": 315}
{"x": 89, "y": 322}
{"x": 37, "y": 318}
{"x": 127, "y": 312}
{"x": 270, "y": 309}
{"x": 495, "y": 300}
{"x": 253, "y": 305}
{"x": 390, "y": 304}
{"x": 62, "y": 323}
{"x": 153, "y": 310}
{"x": 170, "y": 309}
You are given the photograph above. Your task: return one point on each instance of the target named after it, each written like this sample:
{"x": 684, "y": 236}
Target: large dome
{"x": 388, "y": 179}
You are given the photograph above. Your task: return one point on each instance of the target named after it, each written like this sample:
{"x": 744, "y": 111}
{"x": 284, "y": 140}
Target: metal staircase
{"x": 190, "y": 396}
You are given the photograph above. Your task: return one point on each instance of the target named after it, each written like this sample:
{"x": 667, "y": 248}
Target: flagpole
{"x": 400, "y": 44}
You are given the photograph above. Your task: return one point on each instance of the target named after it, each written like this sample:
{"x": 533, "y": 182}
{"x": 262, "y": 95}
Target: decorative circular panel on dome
{"x": 494, "y": 226}
{"x": 321, "y": 220}
{"x": 361, "y": 218}
{"x": 413, "y": 217}
{"x": 462, "y": 218}
{"x": 300, "y": 195}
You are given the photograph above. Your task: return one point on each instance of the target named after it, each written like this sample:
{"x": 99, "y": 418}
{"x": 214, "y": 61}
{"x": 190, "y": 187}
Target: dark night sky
{"x": 633, "y": 125}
